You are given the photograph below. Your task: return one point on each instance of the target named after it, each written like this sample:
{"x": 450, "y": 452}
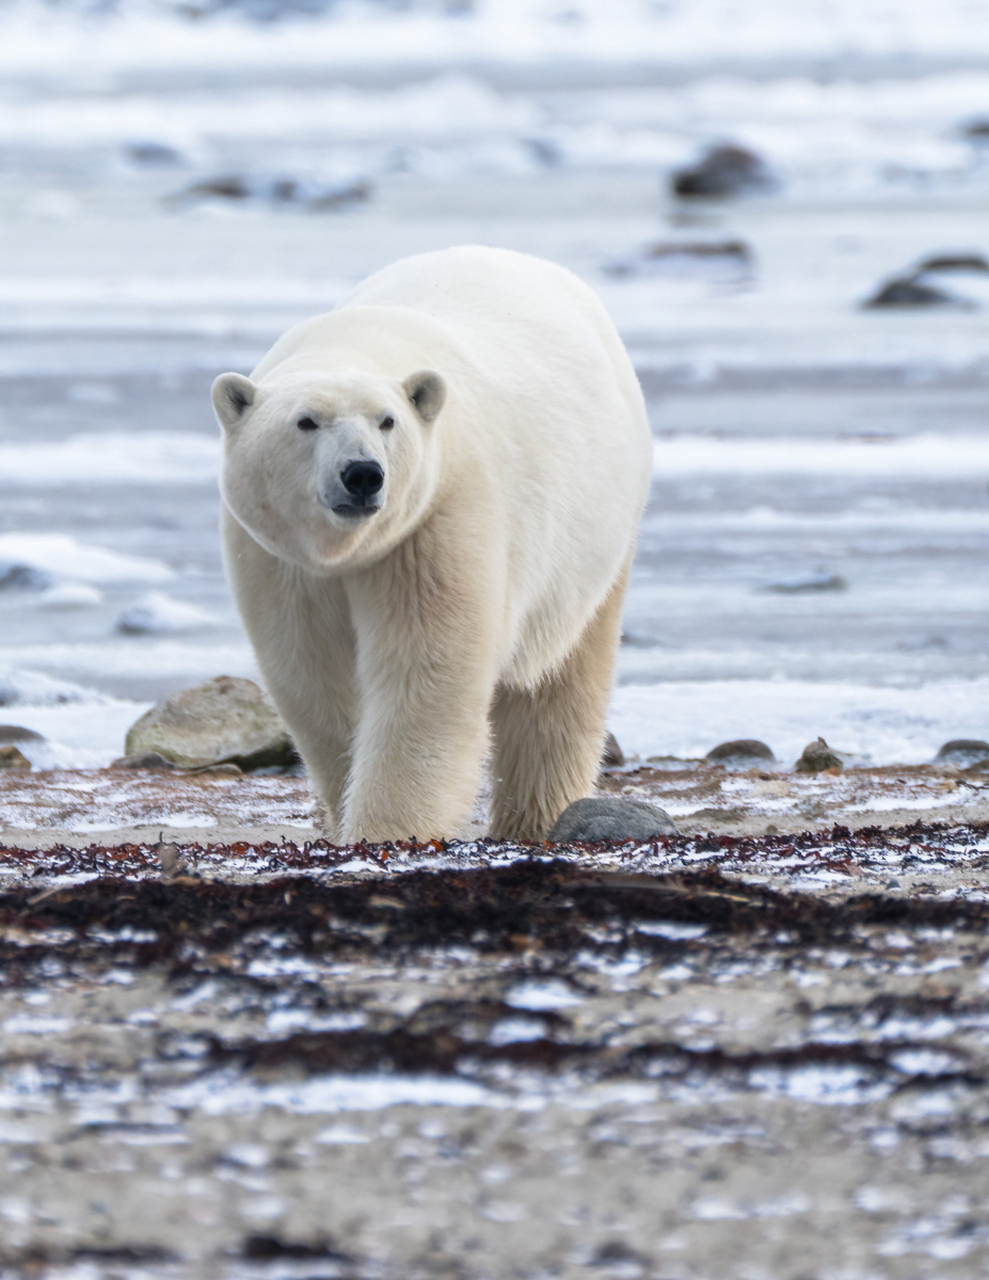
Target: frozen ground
{"x": 728, "y": 1058}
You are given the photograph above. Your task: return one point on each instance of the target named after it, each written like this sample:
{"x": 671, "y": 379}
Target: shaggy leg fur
{"x": 548, "y": 741}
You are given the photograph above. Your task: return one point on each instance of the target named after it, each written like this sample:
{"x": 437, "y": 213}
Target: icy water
{"x": 813, "y": 560}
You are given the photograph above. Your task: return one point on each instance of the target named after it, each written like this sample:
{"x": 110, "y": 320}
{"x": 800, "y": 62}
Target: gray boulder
{"x": 606, "y": 819}
{"x": 742, "y": 753}
{"x": 816, "y": 757}
{"x": 17, "y": 733}
{"x": 961, "y": 753}
{"x": 223, "y": 720}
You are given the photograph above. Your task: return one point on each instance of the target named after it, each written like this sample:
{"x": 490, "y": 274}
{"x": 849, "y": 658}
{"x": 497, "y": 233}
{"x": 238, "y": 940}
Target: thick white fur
{"x": 484, "y": 596}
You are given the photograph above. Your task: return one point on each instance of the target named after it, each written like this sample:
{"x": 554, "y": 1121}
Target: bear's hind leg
{"x": 548, "y": 741}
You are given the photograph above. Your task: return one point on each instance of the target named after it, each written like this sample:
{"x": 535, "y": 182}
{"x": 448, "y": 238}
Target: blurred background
{"x": 785, "y": 207}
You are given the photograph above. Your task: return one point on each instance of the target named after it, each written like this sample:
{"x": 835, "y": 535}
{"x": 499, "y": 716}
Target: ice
{"x": 148, "y": 458}
{"x": 157, "y": 613}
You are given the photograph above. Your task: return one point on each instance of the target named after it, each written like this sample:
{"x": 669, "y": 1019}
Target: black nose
{"x": 362, "y": 479}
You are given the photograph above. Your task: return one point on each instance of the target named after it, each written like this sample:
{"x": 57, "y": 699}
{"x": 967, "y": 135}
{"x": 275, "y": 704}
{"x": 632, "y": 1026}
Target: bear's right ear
{"x": 427, "y": 392}
{"x": 232, "y": 394}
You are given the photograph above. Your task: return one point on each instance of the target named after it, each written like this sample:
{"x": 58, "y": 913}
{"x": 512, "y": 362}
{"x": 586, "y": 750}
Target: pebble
{"x": 741, "y": 753}
{"x": 608, "y": 819}
{"x": 723, "y": 171}
{"x": 816, "y": 757}
{"x": 809, "y": 583}
{"x": 912, "y": 293}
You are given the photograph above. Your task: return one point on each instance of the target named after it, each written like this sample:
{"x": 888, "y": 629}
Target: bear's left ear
{"x": 233, "y": 395}
{"x": 427, "y": 391}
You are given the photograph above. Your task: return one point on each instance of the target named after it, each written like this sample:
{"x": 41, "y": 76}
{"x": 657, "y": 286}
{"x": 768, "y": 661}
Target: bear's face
{"x": 325, "y": 469}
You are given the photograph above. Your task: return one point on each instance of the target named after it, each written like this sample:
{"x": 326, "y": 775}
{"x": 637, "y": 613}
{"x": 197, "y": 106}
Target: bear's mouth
{"x": 355, "y": 510}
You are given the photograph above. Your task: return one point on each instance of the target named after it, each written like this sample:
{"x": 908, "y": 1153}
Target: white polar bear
{"x": 431, "y": 498}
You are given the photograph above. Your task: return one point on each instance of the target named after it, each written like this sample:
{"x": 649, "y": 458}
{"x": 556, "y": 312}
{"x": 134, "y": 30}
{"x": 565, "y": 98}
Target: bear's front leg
{"x": 425, "y": 637}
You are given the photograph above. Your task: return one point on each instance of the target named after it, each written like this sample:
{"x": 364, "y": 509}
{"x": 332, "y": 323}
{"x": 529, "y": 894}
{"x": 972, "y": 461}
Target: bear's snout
{"x": 363, "y": 481}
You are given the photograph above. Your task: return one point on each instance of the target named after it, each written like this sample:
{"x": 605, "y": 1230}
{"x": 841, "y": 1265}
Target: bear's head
{"x": 324, "y": 470}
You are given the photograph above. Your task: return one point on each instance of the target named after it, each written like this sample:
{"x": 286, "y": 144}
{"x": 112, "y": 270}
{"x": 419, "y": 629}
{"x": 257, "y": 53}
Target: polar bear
{"x": 430, "y": 504}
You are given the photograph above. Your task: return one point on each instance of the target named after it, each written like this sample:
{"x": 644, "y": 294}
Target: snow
{"x": 149, "y": 458}
{"x": 687, "y": 718}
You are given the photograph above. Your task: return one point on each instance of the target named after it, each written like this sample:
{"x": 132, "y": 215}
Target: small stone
{"x": 23, "y": 577}
{"x": 152, "y": 760}
{"x": 723, "y": 171}
{"x": 600, "y": 819}
{"x": 11, "y": 758}
{"x": 612, "y": 756}
{"x": 223, "y": 720}
{"x": 963, "y": 752}
{"x": 17, "y": 733}
{"x": 912, "y": 293}
{"x": 966, "y": 262}
{"x": 808, "y": 584}
{"x": 816, "y": 757}
{"x": 745, "y": 753}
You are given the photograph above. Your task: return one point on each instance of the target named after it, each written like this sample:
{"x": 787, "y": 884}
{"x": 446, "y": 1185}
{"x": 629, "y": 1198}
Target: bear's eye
{"x": 307, "y": 424}
{"x": 387, "y": 423}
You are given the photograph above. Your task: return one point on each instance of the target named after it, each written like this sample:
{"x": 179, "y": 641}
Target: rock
{"x": 155, "y": 154}
{"x": 745, "y": 753}
{"x": 319, "y": 197}
{"x": 723, "y": 260}
{"x": 594, "y": 819}
{"x": 11, "y": 758}
{"x": 977, "y": 131}
{"x": 816, "y": 757}
{"x": 962, "y": 753}
{"x": 24, "y": 577}
{"x": 341, "y": 197}
{"x": 17, "y": 733}
{"x": 612, "y": 756}
{"x": 158, "y": 614}
{"x": 910, "y": 292}
{"x": 808, "y": 583}
{"x": 954, "y": 262}
{"x": 223, "y": 720}
{"x": 723, "y": 171}
{"x": 152, "y": 760}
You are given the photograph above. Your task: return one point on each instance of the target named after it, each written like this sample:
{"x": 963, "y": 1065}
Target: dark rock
{"x": 11, "y": 758}
{"x": 718, "y": 259}
{"x": 816, "y": 757}
{"x": 954, "y": 262}
{"x": 17, "y": 733}
{"x": 152, "y": 153}
{"x": 152, "y": 760}
{"x": 723, "y": 171}
{"x": 342, "y": 197}
{"x": 910, "y": 292}
{"x": 24, "y": 577}
{"x": 229, "y": 187}
{"x": 812, "y": 582}
{"x": 977, "y": 131}
{"x": 963, "y": 752}
{"x": 600, "y": 819}
{"x": 224, "y": 720}
{"x": 742, "y": 752}
{"x": 612, "y": 756}
{"x": 318, "y": 197}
